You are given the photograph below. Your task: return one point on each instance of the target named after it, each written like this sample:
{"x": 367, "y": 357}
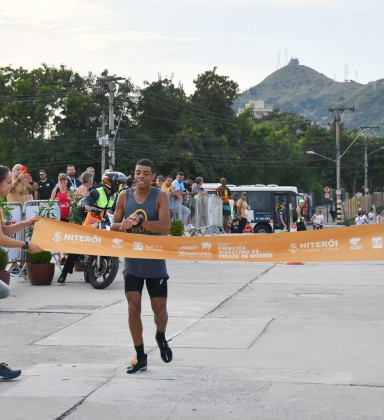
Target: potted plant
{"x": 4, "y": 260}
{"x": 176, "y": 228}
{"x": 40, "y": 269}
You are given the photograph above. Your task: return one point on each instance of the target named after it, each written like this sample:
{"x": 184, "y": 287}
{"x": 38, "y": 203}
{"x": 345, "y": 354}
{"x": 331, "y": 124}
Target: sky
{"x": 247, "y": 40}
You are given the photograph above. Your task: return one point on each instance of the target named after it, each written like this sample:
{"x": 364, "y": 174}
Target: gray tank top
{"x": 140, "y": 267}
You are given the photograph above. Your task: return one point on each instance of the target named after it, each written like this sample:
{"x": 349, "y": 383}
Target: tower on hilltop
{"x": 294, "y": 61}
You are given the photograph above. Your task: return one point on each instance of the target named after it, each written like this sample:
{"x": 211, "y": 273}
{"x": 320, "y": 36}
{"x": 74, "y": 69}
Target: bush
{"x": 4, "y": 259}
{"x": 176, "y": 228}
{"x": 77, "y": 213}
{"x": 42, "y": 257}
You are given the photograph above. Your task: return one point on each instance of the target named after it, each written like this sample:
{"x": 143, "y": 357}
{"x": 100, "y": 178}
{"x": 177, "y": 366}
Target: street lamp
{"x": 311, "y": 152}
{"x": 337, "y": 161}
{"x": 112, "y": 139}
{"x": 366, "y": 156}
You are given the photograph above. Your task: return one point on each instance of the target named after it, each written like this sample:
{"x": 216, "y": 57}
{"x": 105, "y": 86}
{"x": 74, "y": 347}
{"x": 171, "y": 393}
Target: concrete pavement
{"x": 250, "y": 341}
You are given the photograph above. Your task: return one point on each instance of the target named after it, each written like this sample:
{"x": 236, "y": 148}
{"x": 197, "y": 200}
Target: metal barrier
{"x": 201, "y": 214}
{"x": 20, "y": 213}
{"x": 15, "y": 254}
{"x": 32, "y": 208}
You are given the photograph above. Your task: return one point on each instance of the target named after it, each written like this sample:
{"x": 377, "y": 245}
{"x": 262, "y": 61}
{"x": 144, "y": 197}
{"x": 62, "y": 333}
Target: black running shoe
{"x": 165, "y": 350}
{"x": 62, "y": 278}
{"x": 139, "y": 366}
{"x": 6, "y": 373}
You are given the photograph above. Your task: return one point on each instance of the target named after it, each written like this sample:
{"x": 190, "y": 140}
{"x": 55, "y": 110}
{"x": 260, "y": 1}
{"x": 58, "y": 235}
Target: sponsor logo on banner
{"x": 318, "y": 246}
{"x": 57, "y": 237}
{"x": 241, "y": 252}
{"x": 206, "y": 246}
{"x": 140, "y": 246}
{"x": 93, "y": 240}
{"x": 355, "y": 244}
{"x": 189, "y": 248}
{"x": 117, "y": 243}
{"x": 377, "y": 242}
{"x": 196, "y": 251}
{"x": 156, "y": 248}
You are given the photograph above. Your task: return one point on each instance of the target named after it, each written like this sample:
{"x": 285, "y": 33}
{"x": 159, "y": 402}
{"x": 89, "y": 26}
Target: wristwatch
{"x": 25, "y": 246}
{"x": 141, "y": 220}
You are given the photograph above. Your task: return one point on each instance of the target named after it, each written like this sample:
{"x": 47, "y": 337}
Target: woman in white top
{"x": 371, "y": 216}
{"x": 359, "y": 220}
{"x": 317, "y": 220}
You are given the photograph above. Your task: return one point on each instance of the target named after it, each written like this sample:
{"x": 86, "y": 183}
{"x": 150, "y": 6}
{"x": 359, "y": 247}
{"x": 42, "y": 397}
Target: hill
{"x": 300, "y": 89}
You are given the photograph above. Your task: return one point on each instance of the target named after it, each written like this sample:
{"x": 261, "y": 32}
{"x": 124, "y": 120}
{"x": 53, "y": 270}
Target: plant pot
{"x": 5, "y": 276}
{"x": 40, "y": 274}
{"x": 79, "y": 267}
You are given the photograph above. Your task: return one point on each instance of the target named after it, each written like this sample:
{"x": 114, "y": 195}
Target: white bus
{"x": 263, "y": 201}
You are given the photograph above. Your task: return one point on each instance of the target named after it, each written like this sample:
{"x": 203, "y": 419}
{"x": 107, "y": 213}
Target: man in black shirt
{"x": 188, "y": 183}
{"x": 45, "y": 186}
{"x": 72, "y": 183}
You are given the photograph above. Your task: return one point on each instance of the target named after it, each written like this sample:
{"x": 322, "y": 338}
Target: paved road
{"x": 250, "y": 341}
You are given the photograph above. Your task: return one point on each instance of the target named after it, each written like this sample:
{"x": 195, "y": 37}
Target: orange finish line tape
{"x": 356, "y": 243}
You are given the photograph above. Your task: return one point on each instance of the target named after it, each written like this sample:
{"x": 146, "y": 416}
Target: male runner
{"x": 144, "y": 210}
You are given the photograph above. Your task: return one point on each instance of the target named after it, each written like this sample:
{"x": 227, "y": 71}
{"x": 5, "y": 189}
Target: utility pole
{"x": 365, "y": 165}
{"x": 365, "y": 129}
{"x": 104, "y": 141}
{"x": 111, "y": 124}
{"x": 338, "y": 111}
{"x": 111, "y": 81}
{"x": 102, "y": 137}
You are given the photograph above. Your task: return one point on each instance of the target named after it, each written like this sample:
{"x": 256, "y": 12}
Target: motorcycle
{"x": 100, "y": 271}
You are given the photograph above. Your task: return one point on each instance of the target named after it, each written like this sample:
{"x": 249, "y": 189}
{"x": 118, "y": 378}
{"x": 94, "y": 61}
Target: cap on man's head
{"x": 301, "y": 201}
{"x": 360, "y": 209}
{"x": 160, "y": 178}
{"x": 62, "y": 175}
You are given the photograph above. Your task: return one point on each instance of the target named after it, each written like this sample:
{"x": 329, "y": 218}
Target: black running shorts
{"x": 156, "y": 287}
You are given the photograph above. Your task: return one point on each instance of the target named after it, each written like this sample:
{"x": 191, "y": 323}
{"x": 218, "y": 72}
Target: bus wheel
{"x": 262, "y": 229}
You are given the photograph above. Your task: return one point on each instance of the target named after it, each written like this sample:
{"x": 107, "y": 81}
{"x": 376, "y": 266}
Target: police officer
{"x": 101, "y": 200}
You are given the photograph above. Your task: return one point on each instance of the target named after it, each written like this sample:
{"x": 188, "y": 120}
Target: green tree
{"x": 160, "y": 107}
{"x": 212, "y": 101}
